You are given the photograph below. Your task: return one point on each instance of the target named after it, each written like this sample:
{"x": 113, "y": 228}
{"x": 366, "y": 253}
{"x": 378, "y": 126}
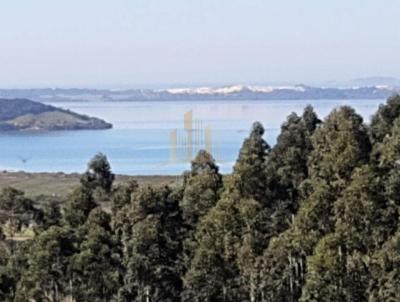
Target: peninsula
{"x": 27, "y": 115}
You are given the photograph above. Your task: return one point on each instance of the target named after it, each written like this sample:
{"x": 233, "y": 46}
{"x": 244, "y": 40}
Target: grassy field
{"x": 60, "y": 184}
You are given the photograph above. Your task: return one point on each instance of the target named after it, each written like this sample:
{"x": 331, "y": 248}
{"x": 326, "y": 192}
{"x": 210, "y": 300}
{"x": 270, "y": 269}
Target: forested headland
{"x": 313, "y": 218}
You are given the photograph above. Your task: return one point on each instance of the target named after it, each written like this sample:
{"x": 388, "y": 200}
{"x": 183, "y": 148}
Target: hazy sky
{"x": 122, "y": 43}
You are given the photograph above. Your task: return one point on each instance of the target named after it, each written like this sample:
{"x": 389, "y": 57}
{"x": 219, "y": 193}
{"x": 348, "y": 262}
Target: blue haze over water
{"x": 139, "y": 143}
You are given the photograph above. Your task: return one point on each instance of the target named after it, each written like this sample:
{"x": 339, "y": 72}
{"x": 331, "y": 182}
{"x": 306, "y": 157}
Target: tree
{"x": 16, "y": 210}
{"x": 233, "y": 229}
{"x": 213, "y": 274}
{"x": 50, "y": 213}
{"x": 98, "y": 174}
{"x": 363, "y": 222}
{"x": 375, "y": 217}
{"x": 325, "y": 276}
{"x": 121, "y": 207}
{"x": 310, "y": 119}
{"x": 249, "y": 169}
{"x": 387, "y": 161}
{"x": 382, "y": 121}
{"x": 286, "y": 167}
{"x": 360, "y": 232}
{"x": 315, "y": 218}
{"x": 96, "y": 266}
{"x": 339, "y": 145}
{"x": 13, "y": 263}
{"x": 385, "y": 270}
{"x": 283, "y": 264}
{"x": 48, "y": 277}
{"x": 152, "y": 246}
{"x": 121, "y": 195}
{"x": 7, "y": 283}
{"x": 79, "y": 205}
{"x": 201, "y": 188}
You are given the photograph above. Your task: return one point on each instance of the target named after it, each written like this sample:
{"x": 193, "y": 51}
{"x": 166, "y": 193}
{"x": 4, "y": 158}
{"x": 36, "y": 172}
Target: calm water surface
{"x": 140, "y": 142}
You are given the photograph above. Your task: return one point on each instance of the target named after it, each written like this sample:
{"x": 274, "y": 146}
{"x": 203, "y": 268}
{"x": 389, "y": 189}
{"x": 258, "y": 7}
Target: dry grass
{"x": 60, "y": 184}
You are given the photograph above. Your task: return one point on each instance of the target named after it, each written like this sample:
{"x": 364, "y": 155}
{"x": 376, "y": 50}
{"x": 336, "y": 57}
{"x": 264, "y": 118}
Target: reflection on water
{"x": 140, "y": 143}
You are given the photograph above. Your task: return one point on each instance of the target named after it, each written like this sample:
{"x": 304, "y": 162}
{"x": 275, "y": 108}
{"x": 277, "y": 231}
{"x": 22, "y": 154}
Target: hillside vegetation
{"x": 314, "y": 218}
{"x": 21, "y": 114}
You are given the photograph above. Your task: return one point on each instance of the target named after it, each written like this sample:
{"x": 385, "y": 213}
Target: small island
{"x": 27, "y": 115}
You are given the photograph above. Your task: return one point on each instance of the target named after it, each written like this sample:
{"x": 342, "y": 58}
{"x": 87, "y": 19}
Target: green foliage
{"x": 385, "y": 268}
{"x": 232, "y": 234}
{"x": 7, "y": 283}
{"x": 98, "y": 174}
{"x": 13, "y": 200}
{"x": 387, "y": 159}
{"x": 340, "y": 145}
{"x": 249, "y": 169}
{"x": 315, "y": 218}
{"x": 382, "y": 121}
{"x": 287, "y": 166}
{"x": 310, "y": 119}
{"x": 13, "y": 263}
{"x": 121, "y": 195}
{"x": 152, "y": 246}
{"x": 283, "y": 264}
{"x": 338, "y": 270}
{"x": 16, "y": 210}
{"x": 201, "y": 189}
{"x": 96, "y": 267}
{"x": 49, "y": 272}
{"x": 51, "y": 214}
{"x": 364, "y": 217}
{"x": 213, "y": 274}
{"x": 79, "y": 205}
{"x": 326, "y": 270}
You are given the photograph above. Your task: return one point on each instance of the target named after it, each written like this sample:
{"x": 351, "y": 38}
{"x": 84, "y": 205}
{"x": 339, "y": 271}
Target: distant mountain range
{"x": 235, "y": 92}
{"x": 27, "y": 115}
{"x": 365, "y": 82}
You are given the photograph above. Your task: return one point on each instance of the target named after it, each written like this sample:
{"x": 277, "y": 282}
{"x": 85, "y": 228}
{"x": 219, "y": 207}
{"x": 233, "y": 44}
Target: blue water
{"x": 139, "y": 143}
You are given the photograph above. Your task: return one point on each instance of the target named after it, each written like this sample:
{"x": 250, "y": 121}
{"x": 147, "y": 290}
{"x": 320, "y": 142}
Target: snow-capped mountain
{"x": 276, "y": 92}
{"x": 226, "y": 90}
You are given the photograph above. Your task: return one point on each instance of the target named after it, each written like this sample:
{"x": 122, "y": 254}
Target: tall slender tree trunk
{"x": 147, "y": 294}
{"x": 71, "y": 290}
{"x": 224, "y": 293}
{"x": 252, "y": 288}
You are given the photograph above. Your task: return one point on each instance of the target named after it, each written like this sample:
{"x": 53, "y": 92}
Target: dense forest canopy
{"x": 313, "y": 218}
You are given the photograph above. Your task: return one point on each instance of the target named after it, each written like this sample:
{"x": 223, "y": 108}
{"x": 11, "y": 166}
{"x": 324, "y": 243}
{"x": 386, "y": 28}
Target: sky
{"x": 151, "y": 43}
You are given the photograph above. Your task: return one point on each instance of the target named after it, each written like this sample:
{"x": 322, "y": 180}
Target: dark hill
{"x": 10, "y": 109}
{"x": 23, "y": 114}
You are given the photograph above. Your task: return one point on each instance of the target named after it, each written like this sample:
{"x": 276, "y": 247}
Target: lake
{"x": 157, "y": 137}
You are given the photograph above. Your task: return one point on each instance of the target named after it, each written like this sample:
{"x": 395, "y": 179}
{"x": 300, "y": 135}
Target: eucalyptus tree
{"x": 152, "y": 245}
{"x": 232, "y": 233}
{"x": 339, "y": 145}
